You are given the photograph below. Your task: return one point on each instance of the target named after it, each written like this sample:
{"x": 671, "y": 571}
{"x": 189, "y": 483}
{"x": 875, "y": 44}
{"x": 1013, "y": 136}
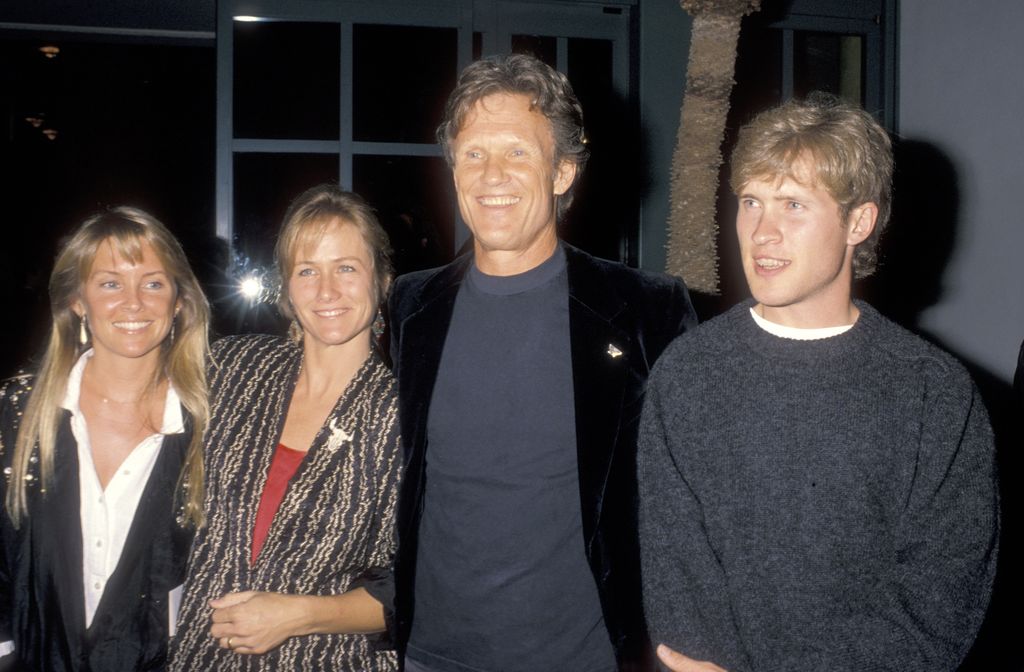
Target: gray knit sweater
{"x": 816, "y": 505}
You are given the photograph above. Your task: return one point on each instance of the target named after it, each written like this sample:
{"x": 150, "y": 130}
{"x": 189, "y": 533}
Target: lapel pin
{"x": 614, "y": 352}
{"x": 339, "y": 438}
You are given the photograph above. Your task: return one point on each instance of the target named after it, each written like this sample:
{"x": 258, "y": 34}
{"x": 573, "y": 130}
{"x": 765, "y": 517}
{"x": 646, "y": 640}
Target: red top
{"x": 284, "y": 465}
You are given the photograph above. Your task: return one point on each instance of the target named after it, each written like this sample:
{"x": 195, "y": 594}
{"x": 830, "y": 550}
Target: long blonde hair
{"x": 182, "y": 358}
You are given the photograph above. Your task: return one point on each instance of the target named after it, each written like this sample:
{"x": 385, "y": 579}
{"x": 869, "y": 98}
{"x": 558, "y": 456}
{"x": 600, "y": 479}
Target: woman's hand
{"x": 252, "y": 622}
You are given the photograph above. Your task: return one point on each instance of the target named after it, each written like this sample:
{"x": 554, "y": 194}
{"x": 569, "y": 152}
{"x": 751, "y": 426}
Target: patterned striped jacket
{"x": 334, "y": 530}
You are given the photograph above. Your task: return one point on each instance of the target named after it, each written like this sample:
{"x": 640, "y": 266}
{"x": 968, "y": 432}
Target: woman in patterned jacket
{"x": 292, "y": 570}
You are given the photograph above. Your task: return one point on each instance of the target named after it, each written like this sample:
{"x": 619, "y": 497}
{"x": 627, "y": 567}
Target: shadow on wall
{"x": 918, "y": 244}
{"x": 914, "y": 253}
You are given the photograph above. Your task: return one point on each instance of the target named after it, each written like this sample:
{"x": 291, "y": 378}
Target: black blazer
{"x": 43, "y": 607}
{"x": 612, "y": 309}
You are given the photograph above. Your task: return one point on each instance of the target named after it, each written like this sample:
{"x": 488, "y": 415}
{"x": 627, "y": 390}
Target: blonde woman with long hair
{"x": 102, "y": 454}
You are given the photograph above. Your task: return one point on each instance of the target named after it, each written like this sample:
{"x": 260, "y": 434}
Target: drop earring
{"x": 83, "y": 331}
{"x": 377, "y": 327}
{"x": 174, "y": 322}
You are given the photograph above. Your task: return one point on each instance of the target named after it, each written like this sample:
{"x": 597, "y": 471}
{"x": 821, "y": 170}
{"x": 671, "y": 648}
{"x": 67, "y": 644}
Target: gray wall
{"x": 960, "y": 90}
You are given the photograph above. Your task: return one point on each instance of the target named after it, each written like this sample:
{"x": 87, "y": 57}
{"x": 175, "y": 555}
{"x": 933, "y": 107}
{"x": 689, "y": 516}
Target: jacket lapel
{"x": 273, "y": 406}
{"x": 58, "y": 535}
{"x": 600, "y": 363}
{"x": 421, "y": 356}
{"x": 420, "y": 359}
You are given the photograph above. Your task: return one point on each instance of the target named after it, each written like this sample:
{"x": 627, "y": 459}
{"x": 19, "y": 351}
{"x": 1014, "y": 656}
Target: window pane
{"x": 401, "y": 80}
{"x": 758, "y": 73}
{"x": 607, "y": 197}
{"x": 478, "y": 46}
{"x": 286, "y": 80}
{"x": 543, "y": 47}
{"x": 828, "y": 62}
{"x": 413, "y": 196}
{"x": 264, "y": 186}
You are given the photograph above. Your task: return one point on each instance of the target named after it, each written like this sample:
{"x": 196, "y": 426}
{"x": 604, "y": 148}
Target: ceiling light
{"x": 49, "y": 51}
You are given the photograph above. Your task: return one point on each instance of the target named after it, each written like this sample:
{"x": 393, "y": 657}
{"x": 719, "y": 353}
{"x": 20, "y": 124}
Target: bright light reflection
{"x": 251, "y": 288}
{"x": 248, "y": 19}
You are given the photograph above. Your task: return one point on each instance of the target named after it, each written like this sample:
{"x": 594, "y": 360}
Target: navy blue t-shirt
{"x": 502, "y": 580}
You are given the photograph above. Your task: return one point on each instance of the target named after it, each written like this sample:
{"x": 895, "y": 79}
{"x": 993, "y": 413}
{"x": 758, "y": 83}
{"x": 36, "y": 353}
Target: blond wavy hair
{"x": 849, "y": 152}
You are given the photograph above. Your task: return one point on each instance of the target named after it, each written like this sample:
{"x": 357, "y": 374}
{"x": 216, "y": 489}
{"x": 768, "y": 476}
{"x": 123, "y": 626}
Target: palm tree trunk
{"x": 692, "y": 249}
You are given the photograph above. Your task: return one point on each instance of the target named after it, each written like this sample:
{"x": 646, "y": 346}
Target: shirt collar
{"x": 796, "y": 333}
{"x": 173, "y": 422}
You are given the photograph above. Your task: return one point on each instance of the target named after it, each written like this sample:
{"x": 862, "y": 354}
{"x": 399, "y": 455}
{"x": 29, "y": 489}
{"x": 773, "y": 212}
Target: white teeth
{"x": 329, "y": 313}
{"x": 770, "y": 263}
{"x": 131, "y": 326}
{"x": 498, "y": 200}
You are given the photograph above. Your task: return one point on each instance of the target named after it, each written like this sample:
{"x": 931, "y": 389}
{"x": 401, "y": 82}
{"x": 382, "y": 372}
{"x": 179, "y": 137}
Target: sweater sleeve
{"x": 926, "y": 610}
{"x": 683, "y": 582}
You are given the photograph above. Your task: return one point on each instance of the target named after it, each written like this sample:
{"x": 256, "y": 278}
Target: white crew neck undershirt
{"x": 796, "y": 333}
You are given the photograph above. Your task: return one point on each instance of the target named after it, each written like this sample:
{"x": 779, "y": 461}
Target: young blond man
{"x": 818, "y": 487}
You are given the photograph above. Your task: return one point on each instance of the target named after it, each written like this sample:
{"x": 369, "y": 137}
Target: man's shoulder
{"x": 703, "y": 353}
{"x": 410, "y": 290}
{"x": 901, "y": 348}
{"x": 656, "y": 303}
{"x": 625, "y": 278}
{"x": 413, "y": 282}
{"x": 711, "y": 337}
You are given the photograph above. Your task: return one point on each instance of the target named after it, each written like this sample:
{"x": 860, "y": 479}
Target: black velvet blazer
{"x": 42, "y": 602}
{"x": 620, "y": 320}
